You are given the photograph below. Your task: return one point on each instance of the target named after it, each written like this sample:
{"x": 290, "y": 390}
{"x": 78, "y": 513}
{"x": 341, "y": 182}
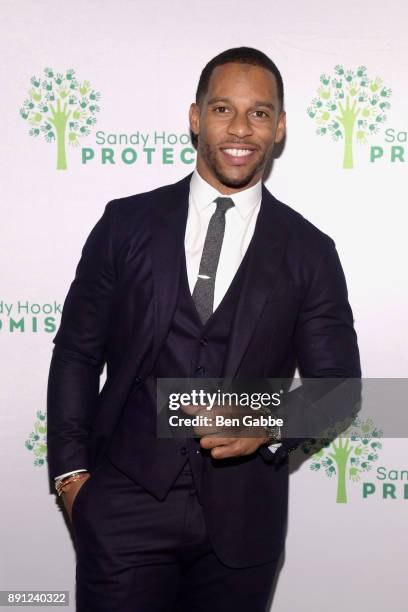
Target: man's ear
{"x": 281, "y": 127}
{"x": 194, "y": 117}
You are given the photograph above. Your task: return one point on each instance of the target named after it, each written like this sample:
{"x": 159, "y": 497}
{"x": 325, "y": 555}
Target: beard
{"x": 210, "y": 158}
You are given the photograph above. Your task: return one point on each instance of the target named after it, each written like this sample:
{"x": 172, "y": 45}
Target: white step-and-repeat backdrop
{"x": 127, "y": 71}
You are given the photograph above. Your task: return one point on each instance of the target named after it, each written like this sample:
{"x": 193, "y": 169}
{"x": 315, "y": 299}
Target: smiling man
{"x": 209, "y": 277}
{"x": 238, "y": 117}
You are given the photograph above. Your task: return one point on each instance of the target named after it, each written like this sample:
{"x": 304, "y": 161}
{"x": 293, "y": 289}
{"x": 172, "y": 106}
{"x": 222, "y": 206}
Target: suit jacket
{"x": 292, "y": 311}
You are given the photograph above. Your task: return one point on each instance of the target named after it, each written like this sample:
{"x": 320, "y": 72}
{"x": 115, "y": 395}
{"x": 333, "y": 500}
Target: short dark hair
{"x": 241, "y": 55}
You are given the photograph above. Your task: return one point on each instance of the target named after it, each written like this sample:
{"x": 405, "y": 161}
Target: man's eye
{"x": 220, "y": 109}
{"x": 261, "y": 114}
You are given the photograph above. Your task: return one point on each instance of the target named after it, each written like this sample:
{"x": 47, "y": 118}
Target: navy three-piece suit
{"x": 130, "y": 306}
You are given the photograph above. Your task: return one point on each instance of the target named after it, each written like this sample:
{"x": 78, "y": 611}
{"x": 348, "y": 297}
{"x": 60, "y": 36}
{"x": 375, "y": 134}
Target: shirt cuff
{"x": 274, "y": 447}
{"x": 68, "y": 473}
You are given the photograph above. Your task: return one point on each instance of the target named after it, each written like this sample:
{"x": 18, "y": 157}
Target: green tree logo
{"x": 37, "y": 440}
{"x": 61, "y": 109}
{"x": 350, "y": 106}
{"x": 348, "y": 455}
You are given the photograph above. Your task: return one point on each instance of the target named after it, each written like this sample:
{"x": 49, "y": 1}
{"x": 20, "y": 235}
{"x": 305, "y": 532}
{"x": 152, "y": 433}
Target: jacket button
{"x": 183, "y": 450}
{"x": 138, "y": 380}
{"x": 203, "y": 342}
{"x": 200, "y": 370}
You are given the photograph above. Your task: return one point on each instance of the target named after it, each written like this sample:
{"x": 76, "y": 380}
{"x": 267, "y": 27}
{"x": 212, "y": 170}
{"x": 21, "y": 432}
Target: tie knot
{"x": 223, "y": 204}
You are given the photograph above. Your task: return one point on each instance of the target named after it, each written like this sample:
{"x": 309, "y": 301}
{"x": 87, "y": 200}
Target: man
{"x": 210, "y": 277}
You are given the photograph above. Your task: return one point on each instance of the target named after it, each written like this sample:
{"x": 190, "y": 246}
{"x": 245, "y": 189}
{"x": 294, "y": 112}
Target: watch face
{"x": 274, "y": 434}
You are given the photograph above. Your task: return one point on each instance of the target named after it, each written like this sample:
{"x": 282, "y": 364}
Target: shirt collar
{"x": 204, "y": 195}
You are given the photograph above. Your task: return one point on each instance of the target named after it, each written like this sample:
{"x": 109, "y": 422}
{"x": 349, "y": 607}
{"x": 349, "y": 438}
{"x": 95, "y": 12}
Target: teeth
{"x": 238, "y": 152}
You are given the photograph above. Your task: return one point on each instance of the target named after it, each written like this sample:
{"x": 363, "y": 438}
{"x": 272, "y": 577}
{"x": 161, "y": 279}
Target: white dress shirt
{"x": 239, "y": 228}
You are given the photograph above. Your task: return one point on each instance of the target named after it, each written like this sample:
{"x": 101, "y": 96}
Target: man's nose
{"x": 240, "y": 125}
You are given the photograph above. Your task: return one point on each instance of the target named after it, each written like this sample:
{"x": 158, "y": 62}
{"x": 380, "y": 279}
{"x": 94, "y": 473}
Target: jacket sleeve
{"x": 326, "y": 348}
{"x": 79, "y": 353}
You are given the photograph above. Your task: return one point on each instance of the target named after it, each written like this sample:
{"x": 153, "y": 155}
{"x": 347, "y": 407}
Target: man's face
{"x": 237, "y": 124}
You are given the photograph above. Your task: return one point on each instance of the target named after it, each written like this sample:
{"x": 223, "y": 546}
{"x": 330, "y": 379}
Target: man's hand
{"x": 221, "y": 447}
{"x": 70, "y": 492}
{"x": 221, "y": 441}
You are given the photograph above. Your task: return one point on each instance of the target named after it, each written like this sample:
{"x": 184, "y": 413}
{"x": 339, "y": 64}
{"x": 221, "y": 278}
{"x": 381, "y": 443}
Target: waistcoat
{"x": 191, "y": 350}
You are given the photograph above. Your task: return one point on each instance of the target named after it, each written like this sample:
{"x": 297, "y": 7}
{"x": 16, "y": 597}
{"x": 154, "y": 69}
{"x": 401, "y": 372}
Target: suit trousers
{"x": 135, "y": 553}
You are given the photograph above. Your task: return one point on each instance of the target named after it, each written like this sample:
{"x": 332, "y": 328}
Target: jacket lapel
{"x": 267, "y": 250}
{"x": 169, "y": 218}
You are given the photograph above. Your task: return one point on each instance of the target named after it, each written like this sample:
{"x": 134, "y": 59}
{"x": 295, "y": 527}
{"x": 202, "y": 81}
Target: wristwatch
{"x": 273, "y": 431}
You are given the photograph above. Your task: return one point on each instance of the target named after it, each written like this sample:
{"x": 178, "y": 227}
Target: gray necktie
{"x": 203, "y": 294}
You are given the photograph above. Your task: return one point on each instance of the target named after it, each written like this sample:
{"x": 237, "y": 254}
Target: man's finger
{"x": 216, "y": 440}
{"x": 191, "y": 409}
